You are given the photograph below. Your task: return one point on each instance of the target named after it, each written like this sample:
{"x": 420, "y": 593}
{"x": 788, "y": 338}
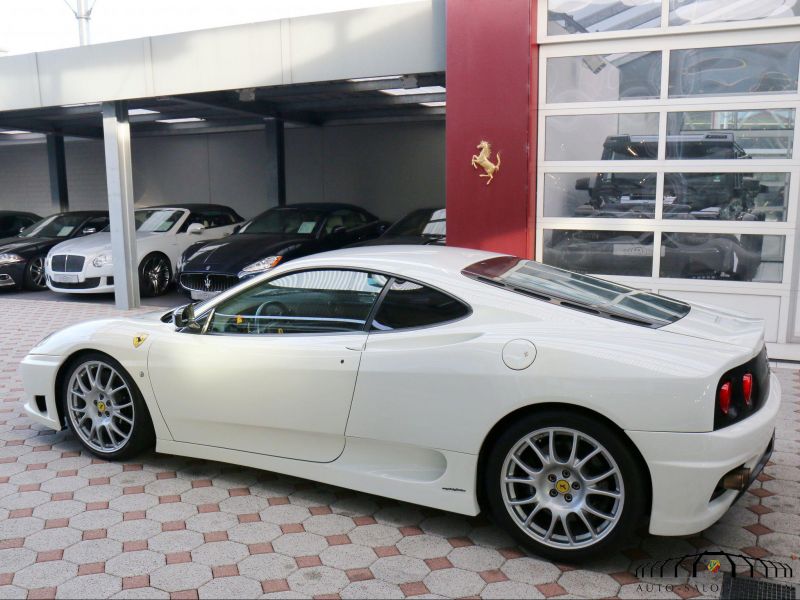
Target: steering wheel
{"x": 269, "y": 309}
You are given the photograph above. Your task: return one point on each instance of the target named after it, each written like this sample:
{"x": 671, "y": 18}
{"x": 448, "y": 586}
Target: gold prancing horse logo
{"x": 138, "y": 340}
{"x": 483, "y": 158}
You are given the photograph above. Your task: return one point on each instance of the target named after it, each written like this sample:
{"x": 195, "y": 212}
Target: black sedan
{"x": 22, "y": 256}
{"x": 419, "y": 227}
{"x": 273, "y": 237}
{"x": 14, "y": 221}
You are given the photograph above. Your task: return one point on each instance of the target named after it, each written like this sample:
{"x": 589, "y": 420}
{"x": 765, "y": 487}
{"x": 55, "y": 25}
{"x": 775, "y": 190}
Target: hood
{"x": 96, "y": 243}
{"x": 27, "y": 245}
{"x": 233, "y": 253}
{"x": 720, "y": 325}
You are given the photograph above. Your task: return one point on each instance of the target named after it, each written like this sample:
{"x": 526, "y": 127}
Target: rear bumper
{"x": 685, "y": 468}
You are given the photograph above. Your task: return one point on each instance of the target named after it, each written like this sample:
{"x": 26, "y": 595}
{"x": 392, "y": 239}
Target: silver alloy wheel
{"x": 37, "y": 272}
{"x": 100, "y": 406}
{"x": 157, "y": 274}
{"x": 562, "y": 488}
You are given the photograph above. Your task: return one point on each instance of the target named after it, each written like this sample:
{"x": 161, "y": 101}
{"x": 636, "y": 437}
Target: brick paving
{"x": 166, "y": 527}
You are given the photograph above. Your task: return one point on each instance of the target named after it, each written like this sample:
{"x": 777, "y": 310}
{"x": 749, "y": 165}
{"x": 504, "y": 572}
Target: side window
{"x": 317, "y": 301}
{"x": 409, "y": 304}
{"x": 96, "y": 223}
{"x": 349, "y": 219}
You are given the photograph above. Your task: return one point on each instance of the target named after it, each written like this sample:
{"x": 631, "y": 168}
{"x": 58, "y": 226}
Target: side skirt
{"x": 435, "y": 478}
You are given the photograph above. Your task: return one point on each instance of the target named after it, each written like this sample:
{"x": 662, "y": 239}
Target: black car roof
{"x": 190, "y": 206}
{"x": 18, "y": 212}
{"x": 323, "y": 206}
{"x": 86, "y": 213}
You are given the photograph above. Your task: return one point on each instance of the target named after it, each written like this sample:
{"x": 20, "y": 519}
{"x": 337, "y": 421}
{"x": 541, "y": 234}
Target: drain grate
{"x": 734, "y": 588}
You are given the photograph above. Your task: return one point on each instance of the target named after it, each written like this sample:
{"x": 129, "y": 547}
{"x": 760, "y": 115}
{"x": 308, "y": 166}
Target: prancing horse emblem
{"x": 138, "y": 340}
{"x": 483, "y": 158}
{"x": 207, "y": 282}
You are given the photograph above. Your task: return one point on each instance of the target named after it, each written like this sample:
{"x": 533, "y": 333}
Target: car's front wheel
{"x": 34, "y": 278}
{"x": 105, "y": 409}
{"x": 564, "y": 485}
{"x": 155, "y": 275}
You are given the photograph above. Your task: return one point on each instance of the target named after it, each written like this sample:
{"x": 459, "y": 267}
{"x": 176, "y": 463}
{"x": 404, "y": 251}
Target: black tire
{"x": 34, "y": 278}
{"x": 633, "y": 497}
{"x": 142, "y": 435}
{"x": 155, "y": 275}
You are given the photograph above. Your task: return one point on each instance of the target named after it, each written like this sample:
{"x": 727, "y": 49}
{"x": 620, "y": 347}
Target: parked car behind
{"x": 419, "y": 227}
{"x": 22, "y": 256}
{"x": 162, "y": 234}
{"x": 275, "y": 236}
{"x": 14, "y": 221}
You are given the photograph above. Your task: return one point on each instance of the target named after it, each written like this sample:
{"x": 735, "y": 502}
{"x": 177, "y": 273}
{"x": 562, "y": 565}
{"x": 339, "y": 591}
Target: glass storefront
{"x": 666, "y": 147}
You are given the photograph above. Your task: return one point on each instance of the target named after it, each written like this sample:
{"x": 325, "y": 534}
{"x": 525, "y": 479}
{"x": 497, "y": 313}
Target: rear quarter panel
{"x": 446, "y": 387}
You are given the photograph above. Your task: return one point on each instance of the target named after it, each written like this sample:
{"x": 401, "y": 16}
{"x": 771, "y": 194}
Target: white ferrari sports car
{"x": 85, "y": 265}
{"x": 567, "y": 407}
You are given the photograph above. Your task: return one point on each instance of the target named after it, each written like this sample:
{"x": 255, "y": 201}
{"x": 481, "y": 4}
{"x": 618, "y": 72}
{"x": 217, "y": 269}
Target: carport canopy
{"x": 378, "y": 63}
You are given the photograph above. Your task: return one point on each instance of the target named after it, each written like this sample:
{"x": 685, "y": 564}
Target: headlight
{"x": 102, "y": 260}
{"x": 265, "y": 264}
{"x": 7, "y": 259}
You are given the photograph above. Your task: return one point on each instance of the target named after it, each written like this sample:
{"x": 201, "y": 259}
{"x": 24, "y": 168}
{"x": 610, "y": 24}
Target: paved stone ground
{"x": 73, "y": 526}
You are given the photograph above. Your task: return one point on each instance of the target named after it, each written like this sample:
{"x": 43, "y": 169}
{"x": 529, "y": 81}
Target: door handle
{"x": 356, "y": 348}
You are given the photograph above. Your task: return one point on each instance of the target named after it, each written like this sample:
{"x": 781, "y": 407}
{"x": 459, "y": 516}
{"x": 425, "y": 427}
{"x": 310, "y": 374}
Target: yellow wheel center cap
{"x": 101, "y": 407}
{"x": 562, "y": 487}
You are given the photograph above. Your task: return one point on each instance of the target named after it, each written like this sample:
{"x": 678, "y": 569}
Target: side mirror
{"x": 338, "y": 230}
{"x": 236, "y": 228}
{"x": 89, "y": 230}
{"x": 582, "y": 184}
{"x": 183, "y": 316}
{"x": 196, "y": 228}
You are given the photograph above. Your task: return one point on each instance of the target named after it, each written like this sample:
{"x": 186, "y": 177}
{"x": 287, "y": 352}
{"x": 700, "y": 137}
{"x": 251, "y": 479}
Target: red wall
{"x": 490, "y": 49}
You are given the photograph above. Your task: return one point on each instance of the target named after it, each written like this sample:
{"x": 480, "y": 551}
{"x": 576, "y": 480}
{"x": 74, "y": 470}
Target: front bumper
{"x": 39, "y": 373}
{"x": 12, "y": 275}
{"x": 84, "y": 284}
{"x": 685, "y": 468}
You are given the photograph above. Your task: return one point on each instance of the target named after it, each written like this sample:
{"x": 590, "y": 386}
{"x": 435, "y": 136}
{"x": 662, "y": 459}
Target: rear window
{"x": 578, "y": 292}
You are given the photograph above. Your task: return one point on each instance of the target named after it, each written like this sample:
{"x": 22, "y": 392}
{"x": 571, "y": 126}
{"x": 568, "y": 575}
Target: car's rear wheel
{"x": 105, "y": 409}
{"x": 34, "y": 274}
{"x": 155, "y": 275}
{"x": 564, "y": 485}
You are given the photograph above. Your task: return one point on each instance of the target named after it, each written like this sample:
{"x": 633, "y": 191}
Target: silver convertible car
{"x": 567, "y": 407}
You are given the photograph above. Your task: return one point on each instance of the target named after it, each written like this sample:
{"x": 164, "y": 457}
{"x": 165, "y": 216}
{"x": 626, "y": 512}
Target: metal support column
{"x": 276, "y": 161}
{"x": 119, "y": 179}
{"x": 57, "y": 167}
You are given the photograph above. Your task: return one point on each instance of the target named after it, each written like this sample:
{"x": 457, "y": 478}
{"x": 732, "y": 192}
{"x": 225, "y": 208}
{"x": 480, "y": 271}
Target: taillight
{"x": 747, "y": 388}
{"x": 725, "y": 397}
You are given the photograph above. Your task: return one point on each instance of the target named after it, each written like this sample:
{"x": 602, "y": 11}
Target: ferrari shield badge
{"x": 138, "y": 340}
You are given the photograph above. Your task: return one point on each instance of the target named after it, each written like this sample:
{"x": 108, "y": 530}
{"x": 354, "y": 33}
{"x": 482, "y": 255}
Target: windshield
{"x": 297, "y": 221}
{"x": 55, "y": 226}
{"x": 157, "y": 220}
{"x": 425, "y": 222}
{"x": 579, "y": 292}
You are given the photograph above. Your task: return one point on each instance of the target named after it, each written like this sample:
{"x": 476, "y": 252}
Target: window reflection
{"x": 760, "y": 133}
{"x": 759, "y": 69}
{"x": 602, "y": 77}
{"x": 698, "y": 12}
{"x": 600, "y": 252}
{"x": 600, "y": 195}
{"x": 724, "y": 256}
{"x": 617, "y": 136}
{"x": 585, "y": 16}
{"x": 726, "y": 196}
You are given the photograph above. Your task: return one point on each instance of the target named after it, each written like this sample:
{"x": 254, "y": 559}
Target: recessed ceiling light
{"x": 14, "y": 131}
{"x": 183, "y": 120}
{"x": 433, "y": 104}
{"x": 141, "y": 111}
{"x": 431, "y": 89}
{"x": 381, "y": 78}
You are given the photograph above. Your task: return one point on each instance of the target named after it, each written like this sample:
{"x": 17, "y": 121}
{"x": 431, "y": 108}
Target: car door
{"x": 275, "y": 371}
